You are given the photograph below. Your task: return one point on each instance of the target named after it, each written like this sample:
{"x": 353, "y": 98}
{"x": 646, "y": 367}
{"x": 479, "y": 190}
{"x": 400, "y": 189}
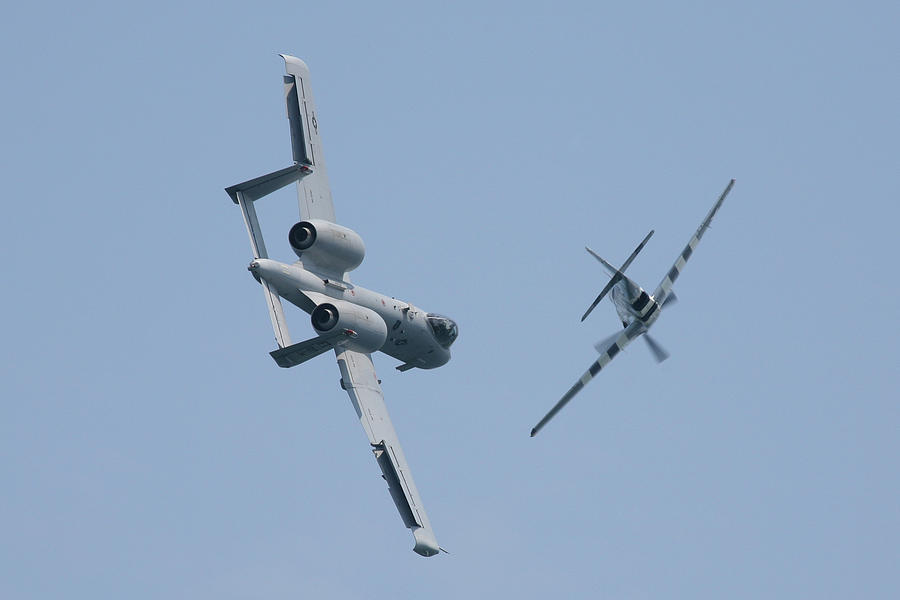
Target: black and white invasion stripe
{"x": 666, "y": 284}
{"x": 631, "y": 332}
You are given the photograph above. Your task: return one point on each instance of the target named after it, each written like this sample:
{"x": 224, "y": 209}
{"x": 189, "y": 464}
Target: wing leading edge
{"x": 631, "y": 332}
{"x": 358, "y": 377}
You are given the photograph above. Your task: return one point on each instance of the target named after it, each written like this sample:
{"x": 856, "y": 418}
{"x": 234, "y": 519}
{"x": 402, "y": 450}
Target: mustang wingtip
{"x": 534, "y": 432}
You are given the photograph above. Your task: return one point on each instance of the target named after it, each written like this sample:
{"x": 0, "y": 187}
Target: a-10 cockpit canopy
{"x": 443, "y": 328}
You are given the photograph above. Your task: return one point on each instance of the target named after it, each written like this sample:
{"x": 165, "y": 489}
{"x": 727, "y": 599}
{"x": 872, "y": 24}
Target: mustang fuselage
{"x": 637, "y": 305}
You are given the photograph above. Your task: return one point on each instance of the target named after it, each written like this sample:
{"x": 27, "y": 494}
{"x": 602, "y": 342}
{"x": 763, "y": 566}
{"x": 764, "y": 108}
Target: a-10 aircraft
{"x": 351, "y": 320}
{"x": 637, "y": 309}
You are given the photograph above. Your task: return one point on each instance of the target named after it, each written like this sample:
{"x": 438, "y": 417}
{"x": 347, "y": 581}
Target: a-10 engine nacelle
{"x": 366, "y": 330}
{"x": 327, "y": 245}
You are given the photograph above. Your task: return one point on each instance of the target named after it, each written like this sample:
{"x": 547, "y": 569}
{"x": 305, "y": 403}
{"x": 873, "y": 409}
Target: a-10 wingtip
{"x": 293, "y": 60}
{"x": 534, "y": 432}
{"x": 426, "y": 544}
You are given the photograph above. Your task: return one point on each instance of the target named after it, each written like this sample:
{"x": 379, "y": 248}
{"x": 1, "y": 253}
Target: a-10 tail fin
{"x": 245, "y": 195}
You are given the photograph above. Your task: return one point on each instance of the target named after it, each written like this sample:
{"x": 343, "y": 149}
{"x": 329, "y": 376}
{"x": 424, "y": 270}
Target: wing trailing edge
{"x": 635, "y": 329}
{"x": 358, "y": 378}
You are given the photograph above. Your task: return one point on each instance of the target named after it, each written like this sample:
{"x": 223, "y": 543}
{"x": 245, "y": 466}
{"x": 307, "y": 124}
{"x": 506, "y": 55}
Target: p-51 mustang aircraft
{"x": 351, "y": 320}
{"x": 637, "y": 309}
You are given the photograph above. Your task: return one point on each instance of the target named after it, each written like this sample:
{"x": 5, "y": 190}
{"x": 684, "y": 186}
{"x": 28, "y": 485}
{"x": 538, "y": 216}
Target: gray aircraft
{"x": 351, "y": 320}
{"x": 637, "y": 309}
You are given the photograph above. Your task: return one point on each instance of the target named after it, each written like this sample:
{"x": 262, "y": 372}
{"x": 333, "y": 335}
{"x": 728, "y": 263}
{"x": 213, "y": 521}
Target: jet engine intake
{"x": 366, "y": 330}
{"x": 327, "y": 245}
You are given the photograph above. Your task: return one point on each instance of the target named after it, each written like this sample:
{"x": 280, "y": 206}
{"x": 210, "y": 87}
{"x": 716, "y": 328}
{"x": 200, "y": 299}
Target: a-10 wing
{"x": 635, "y": 329}
{"x": 358, "y": 377}
{"x": 314, "y": 193}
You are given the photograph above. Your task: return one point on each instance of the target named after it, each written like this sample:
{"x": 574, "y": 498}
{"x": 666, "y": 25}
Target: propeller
{"x": 659, "y": 353}
{"x": 604, "y": 344}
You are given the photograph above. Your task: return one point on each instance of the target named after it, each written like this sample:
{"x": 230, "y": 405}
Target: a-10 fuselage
{"x": 416, "y": 338}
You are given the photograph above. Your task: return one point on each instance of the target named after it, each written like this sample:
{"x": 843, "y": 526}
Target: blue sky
{"x": 150, "y": 448}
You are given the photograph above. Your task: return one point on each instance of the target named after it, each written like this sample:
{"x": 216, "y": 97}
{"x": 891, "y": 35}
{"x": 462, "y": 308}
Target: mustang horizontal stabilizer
{"x": 635, "y": 329}
{"x": 666, "y": 284}
{"x": 617, "y": 274}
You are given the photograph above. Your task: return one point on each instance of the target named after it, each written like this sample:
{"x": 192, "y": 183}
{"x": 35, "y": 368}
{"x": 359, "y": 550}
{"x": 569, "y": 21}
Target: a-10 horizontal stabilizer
{"x": 244, "y": 195}
{"x": 256, "y": 188}
{"x": 301, "y": 352}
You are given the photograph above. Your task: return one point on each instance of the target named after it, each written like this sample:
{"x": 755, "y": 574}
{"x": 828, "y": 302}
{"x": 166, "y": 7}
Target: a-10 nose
{"x": 253, "y": 267}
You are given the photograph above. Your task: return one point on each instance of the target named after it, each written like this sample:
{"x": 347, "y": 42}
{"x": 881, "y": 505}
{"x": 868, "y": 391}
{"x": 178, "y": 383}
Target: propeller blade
{"x": 604, "y": 344}
{"x": 659, "y": 353}
{"x": 671, "y": 299}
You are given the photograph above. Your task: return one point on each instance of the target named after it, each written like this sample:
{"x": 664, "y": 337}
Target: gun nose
{"x": 253, "y": 267}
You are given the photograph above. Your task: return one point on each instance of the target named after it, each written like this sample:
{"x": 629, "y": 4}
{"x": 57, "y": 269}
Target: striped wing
{"x": 665, "y": 286}
{"x": 631, "y": 332}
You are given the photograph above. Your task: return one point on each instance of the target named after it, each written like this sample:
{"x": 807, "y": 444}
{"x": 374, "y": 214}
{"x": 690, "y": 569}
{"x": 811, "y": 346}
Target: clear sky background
{"x": 150, "y": 447}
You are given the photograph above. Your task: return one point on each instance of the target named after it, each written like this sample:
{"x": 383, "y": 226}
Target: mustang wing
{"x": 313, "y": 192}
{"x": 635, "y": 329}
{"x": 359, "y": 379}
{"x": 665, "y": 285}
